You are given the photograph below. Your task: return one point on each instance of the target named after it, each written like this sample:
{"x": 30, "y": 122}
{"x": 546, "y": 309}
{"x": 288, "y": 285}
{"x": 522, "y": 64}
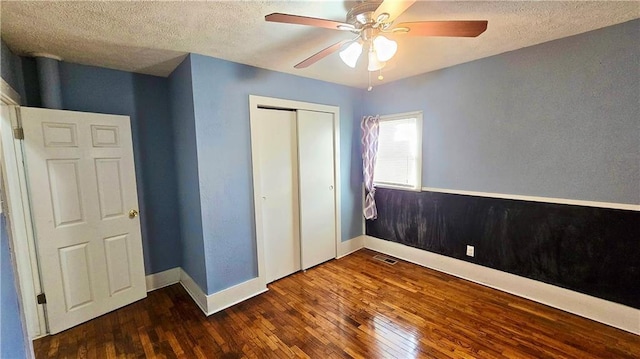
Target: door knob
{"x": 133, "y": 213}
{"x": 331, "y": 188}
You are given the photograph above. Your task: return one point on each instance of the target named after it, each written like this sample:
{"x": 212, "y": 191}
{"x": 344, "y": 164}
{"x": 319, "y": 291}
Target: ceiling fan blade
{"x": 471, "y": 28}
{"x": 310, "y": 21}
{"x": 321, "y": 55}
{"x": 392, "y": 7}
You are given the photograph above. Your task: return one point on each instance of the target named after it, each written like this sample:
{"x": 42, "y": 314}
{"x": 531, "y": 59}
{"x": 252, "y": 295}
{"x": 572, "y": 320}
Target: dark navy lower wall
{"x": 590, "y": 250}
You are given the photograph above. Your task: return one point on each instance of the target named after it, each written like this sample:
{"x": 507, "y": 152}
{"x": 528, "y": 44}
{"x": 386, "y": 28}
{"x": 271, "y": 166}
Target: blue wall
{"x": 12, "y": 341}
{"x": 557, "y": 119}
{"x": 155, "y": 138}
{"x": 12, "y": 344}
{"x": 560, "y": 119}
{"x": 221, "y": 92}
{"x": 22, "y": 75}
{"x": 173, "y": 180}
{"x": 31, "y": 83}
{"x": 186, "y": 160}
{"x": 145, "y": 99}
{"x": 11, "y": 69}
{"x": 49, "y": 80}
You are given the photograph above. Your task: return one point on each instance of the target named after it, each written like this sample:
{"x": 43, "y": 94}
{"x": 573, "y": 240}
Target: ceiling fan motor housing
{"x": 362, "y": 13}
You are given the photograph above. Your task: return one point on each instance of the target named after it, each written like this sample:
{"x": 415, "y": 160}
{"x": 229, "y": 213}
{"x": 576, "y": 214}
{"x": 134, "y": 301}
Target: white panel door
{"x": 82, "y": 186}
{"x": 277, "y": 186}
{"x": 317, "y": 183}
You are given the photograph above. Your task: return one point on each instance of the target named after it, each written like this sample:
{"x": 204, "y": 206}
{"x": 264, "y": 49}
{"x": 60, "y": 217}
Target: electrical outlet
{"x": 470, "y": 251}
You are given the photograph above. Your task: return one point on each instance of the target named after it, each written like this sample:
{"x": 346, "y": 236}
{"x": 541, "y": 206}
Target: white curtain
{"x": 370, "y": 130}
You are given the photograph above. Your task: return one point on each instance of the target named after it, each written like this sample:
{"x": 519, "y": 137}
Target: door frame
{"x": 21, "y": 231}
{"x": 256, "y": 102}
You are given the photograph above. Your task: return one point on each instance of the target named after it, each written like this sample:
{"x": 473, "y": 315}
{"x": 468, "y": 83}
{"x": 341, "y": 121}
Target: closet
{"x": 294, "y": 188}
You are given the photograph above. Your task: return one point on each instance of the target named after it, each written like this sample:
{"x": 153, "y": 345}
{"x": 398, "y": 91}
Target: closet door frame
{"x": 256, "y": 102}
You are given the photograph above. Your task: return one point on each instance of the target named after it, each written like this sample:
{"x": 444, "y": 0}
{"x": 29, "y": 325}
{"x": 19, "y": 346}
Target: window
{"x": 399, "y": 159}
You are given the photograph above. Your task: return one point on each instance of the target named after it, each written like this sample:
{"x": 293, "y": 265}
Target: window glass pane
{"x": 396, "y": 161}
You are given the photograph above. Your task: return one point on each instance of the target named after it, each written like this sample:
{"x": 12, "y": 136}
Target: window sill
{"x": 400, "y": 187}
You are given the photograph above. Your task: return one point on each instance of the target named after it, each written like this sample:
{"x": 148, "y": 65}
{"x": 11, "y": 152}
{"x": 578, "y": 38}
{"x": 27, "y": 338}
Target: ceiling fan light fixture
{"x": 384, "y": 48}
{"x": 370, "y": 19}
{"x": 374, "y": 63}
{"x": 351, "y": 54}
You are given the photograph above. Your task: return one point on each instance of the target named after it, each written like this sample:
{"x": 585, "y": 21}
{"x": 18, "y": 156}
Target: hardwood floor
{"x": 351, "y": 307}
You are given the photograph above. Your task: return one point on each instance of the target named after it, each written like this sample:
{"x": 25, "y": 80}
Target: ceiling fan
{"x": 370, "y": 20}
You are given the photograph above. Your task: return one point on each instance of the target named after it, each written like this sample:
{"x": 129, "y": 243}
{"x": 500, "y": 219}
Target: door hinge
{"x": 42, "y": 299}
{"x": 18, "y": 133}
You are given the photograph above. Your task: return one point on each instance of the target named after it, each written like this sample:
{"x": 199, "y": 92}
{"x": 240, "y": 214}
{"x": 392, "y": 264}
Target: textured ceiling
{"x": 153, "y": 37}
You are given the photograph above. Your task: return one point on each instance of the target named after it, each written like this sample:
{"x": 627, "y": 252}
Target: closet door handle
{"x": 331, "y": 188}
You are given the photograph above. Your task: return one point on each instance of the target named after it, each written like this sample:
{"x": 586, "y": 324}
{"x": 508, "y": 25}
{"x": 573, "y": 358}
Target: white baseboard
{"x": 163, "y": 279}
{"x": 349, "y": 246}
{"x": 600, "y": 310}
{"x": 194, "y": 291}
{"x": 234, "y": 295}
{"x": 213, "y": 303}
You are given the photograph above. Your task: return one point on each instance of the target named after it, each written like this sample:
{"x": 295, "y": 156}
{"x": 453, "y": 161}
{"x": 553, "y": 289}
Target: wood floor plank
{"x": 354, "y": 307}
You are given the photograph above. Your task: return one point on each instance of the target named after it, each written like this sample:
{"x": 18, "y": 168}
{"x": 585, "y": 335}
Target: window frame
{"x": 401, "y": 116}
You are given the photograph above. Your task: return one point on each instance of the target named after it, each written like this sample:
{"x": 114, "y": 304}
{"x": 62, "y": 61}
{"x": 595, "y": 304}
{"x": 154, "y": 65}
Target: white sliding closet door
{"x": 317, "y": 187}
{"x": 277, "y": 185}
